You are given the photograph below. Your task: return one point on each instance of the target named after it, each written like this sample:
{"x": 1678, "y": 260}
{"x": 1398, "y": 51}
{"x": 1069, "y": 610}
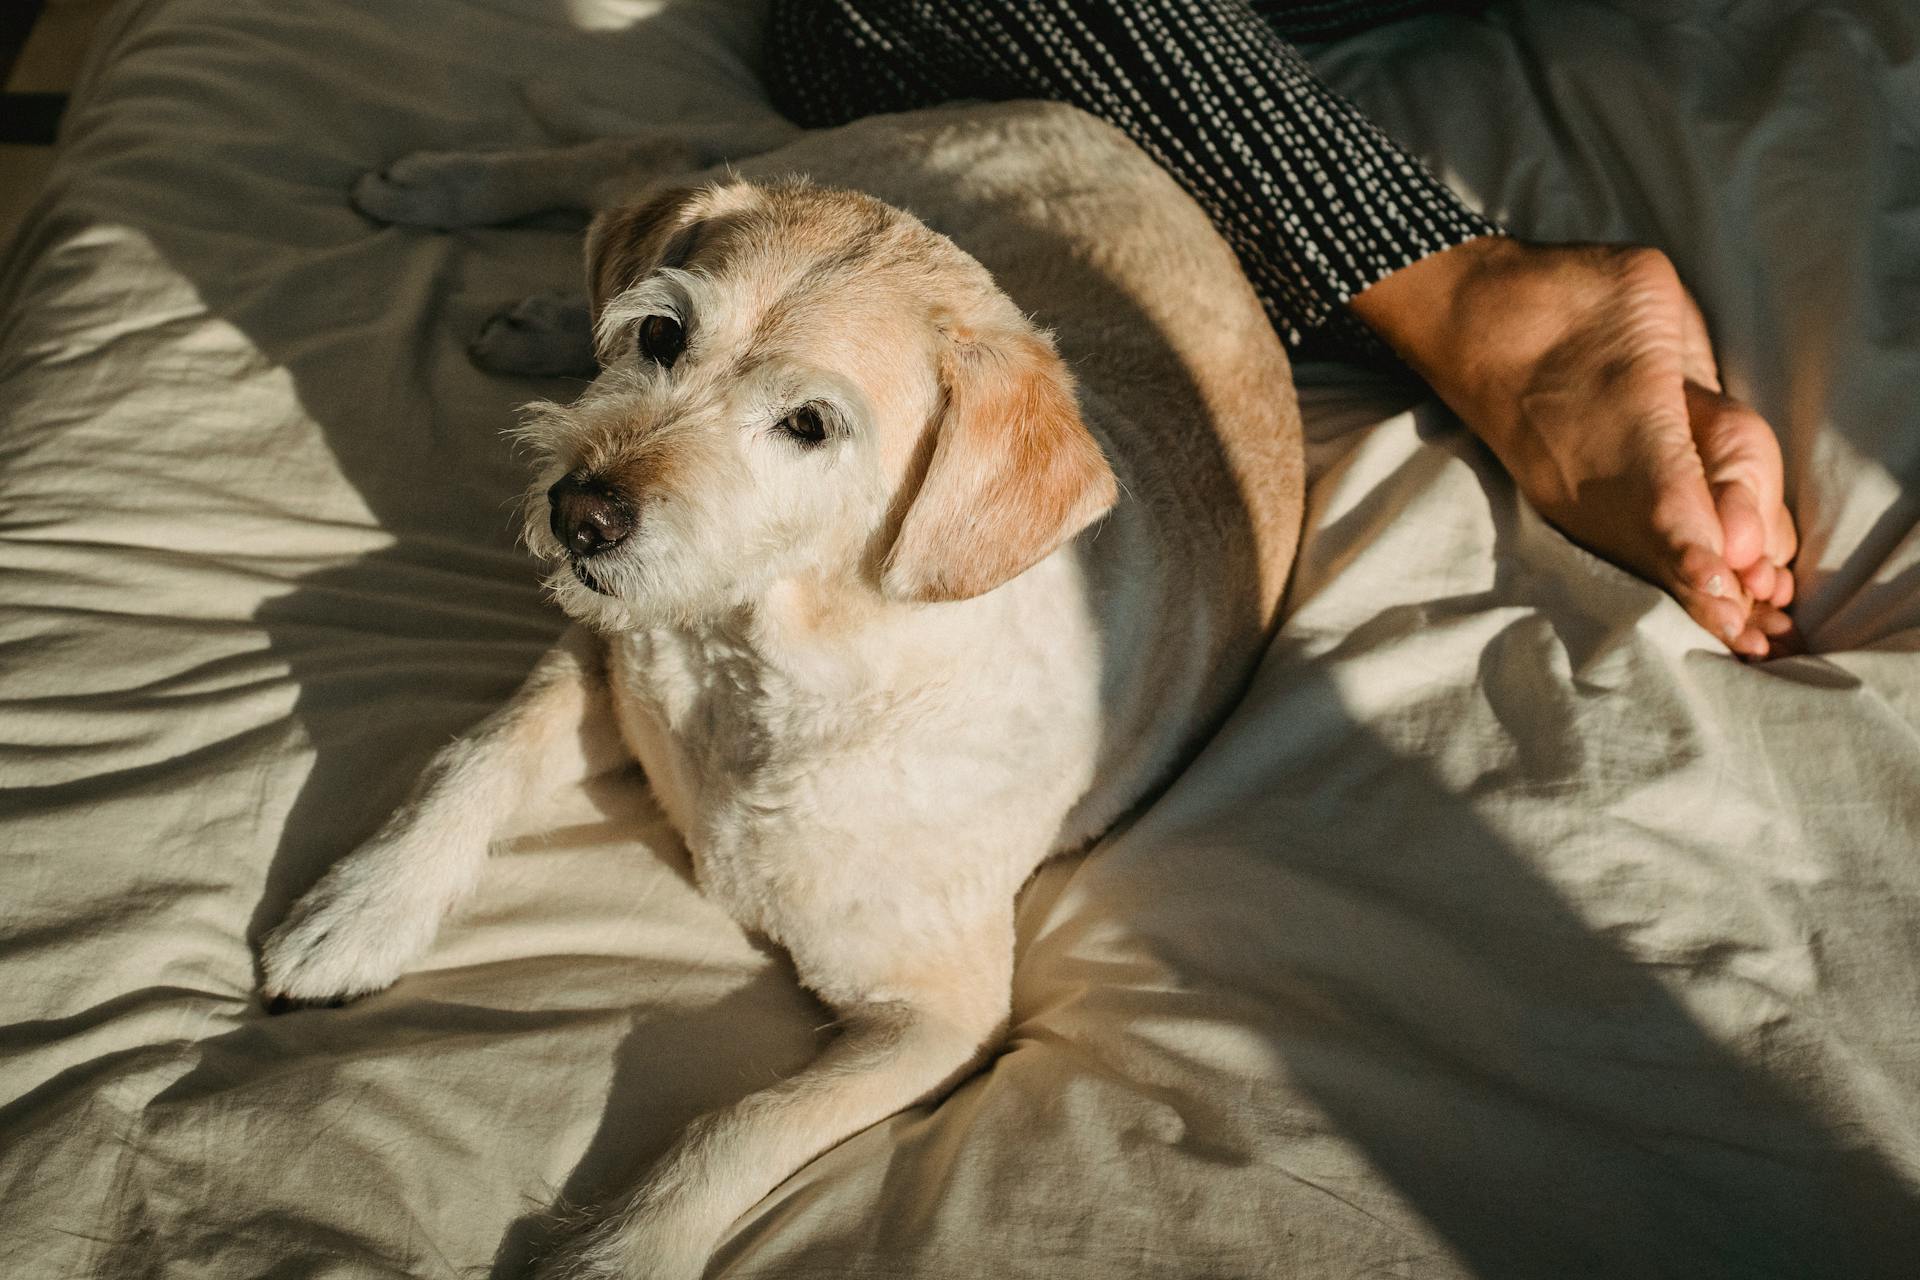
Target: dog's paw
{"x": 353, "y": 933}
{"x": 574, "y": 1264}
{"x": 625, "y": 1248}
{"x": 590, "y": 1254}
{"x": 443, "y": 190}
{"x": 549, "y": 335}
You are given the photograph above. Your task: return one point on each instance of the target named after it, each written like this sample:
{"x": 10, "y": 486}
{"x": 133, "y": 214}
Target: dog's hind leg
{"x": 446, "y": 190}
{"x": 377, "y": 910}
{"x": 932, "y": 1030}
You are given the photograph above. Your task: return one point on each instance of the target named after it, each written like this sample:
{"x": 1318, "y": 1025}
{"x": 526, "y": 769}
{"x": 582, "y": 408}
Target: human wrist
{"x": 1457, "y": 318}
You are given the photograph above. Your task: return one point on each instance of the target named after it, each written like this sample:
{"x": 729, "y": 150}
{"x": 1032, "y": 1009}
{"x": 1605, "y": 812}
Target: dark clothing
{"x": 1315, "y": 200}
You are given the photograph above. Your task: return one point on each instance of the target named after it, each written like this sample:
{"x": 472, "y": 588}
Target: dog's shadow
{"x": 745, "y": 1041}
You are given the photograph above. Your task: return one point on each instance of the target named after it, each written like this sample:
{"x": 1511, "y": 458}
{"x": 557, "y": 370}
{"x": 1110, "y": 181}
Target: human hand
{"x": 1588, "y": 371}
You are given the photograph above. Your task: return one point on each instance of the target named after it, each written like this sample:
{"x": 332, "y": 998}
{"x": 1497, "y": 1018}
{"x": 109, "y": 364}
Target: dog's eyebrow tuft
{"x": 668, "y": 291}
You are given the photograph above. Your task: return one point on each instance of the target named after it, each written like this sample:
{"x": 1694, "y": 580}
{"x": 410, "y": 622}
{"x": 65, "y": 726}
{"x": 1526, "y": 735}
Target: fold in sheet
{"x": 1509, "y": 929}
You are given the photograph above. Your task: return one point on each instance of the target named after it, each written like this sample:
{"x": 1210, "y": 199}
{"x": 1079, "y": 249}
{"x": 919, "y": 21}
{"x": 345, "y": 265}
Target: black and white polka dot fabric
{"x": 1317, "y": 202}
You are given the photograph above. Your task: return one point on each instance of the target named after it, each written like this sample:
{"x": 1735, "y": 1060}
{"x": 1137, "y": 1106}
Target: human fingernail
{"x": 1715, "y": 585}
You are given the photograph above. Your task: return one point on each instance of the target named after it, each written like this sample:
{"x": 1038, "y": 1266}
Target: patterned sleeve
{"x": 1316, "y": 201}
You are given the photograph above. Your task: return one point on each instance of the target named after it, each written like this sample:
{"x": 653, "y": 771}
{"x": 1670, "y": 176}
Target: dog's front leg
{"x": 547, "y": 335}
{"x": 377, "y": 910}
{"x": 909, "y": 1032}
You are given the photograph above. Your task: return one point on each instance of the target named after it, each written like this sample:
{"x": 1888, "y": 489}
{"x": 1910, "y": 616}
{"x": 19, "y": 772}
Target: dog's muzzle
{"x": 588, "y": 516}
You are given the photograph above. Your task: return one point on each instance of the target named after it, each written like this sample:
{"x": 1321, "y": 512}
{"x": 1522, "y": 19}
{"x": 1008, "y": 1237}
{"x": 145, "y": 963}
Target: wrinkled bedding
{"x": 1510, "y": 928}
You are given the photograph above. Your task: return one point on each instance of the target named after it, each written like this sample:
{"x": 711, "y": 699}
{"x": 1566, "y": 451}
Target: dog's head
{"x": 801, "y": 382}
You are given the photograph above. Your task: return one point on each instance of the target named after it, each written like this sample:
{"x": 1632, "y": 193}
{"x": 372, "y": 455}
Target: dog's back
{"x": 835, "y": 510}
{"x": 1180, "y": 374}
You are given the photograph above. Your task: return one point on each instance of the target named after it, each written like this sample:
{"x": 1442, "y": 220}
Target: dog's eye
{"x": 805, "y": 425}
{"x": 661, "y": 340}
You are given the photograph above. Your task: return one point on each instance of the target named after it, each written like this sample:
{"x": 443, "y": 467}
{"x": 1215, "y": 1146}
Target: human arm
{"x": 1586, "y": 369}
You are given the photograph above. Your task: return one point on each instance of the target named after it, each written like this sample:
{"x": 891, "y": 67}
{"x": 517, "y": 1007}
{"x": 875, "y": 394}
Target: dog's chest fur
{"x": 826, "y": 775}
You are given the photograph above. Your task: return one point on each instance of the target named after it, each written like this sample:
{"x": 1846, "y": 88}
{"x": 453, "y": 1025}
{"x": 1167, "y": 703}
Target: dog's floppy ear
{"x": 1013, "y": 474}
{"x": 627, "y": 243}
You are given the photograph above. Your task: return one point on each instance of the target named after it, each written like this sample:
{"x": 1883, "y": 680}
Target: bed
{"x": 1510, "y": 927}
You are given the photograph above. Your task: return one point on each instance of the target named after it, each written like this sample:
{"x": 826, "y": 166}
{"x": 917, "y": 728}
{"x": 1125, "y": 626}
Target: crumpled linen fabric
{"x": 1510, "y": 928}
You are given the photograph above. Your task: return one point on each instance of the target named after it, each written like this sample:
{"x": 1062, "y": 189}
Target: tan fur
{"x": 624, "y": 244}
{"x": 874, "y": 682}
{"x": 1014, "y": 472}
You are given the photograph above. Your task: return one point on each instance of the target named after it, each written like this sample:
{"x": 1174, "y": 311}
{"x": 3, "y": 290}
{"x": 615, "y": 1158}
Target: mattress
{"x": 1509, "y": 928}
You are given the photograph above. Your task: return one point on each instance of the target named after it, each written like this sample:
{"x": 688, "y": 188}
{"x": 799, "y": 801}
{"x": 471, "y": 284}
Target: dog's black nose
{"x": 588, "y": 516}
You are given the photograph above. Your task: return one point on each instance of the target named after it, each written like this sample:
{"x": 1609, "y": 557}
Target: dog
{"x": 894, "y": 593}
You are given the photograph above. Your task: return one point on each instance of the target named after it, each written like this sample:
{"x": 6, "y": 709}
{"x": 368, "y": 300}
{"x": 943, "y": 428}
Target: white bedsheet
{"x": 1510, "y": 929}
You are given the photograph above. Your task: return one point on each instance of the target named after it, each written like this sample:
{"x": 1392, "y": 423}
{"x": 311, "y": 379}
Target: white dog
{"x": 858, "y": 580}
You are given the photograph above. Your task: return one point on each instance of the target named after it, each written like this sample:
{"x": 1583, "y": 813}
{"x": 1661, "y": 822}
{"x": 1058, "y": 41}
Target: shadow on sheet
{"x": 1314, "y": 1014}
